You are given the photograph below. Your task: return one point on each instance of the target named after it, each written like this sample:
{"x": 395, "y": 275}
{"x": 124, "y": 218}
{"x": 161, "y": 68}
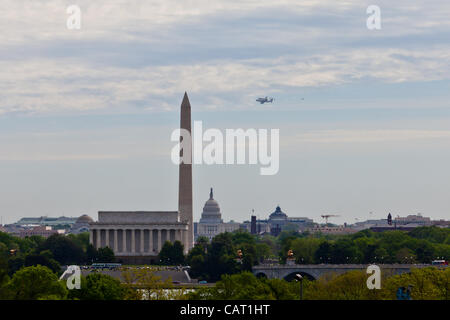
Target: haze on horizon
{"x": 86, "y": 115}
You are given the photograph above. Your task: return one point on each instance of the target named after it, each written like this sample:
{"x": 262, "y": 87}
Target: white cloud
{"x": 44, "y": 19}
{"x": 64, "y": 85}
{"x": 51, "y": 80}
{"x": 366, "y": 136}
{"x": 47, "y": 157}
{"x": 28, "y": 20}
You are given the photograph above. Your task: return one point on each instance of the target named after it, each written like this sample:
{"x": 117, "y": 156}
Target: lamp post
{"x": 299, "y": 277}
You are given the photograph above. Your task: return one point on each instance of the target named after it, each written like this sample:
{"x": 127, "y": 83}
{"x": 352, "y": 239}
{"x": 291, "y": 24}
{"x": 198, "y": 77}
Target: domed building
{"x": 278, "y": 215}
{"x": 277, "y": 220}
{"x": 211, "y": 223}
{"x": 81, "y": 224}
{"x": 211, "y": 211}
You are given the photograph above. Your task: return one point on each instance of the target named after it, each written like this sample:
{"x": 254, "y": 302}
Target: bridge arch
{"x": 314, "y": 272}
{"x": 261, "y": 275}
{"x": 291, "y": 276}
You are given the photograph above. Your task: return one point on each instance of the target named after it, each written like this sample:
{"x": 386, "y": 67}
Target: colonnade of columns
{"x": 135, "y": 241}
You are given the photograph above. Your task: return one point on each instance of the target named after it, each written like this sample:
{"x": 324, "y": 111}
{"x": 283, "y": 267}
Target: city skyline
{"x": 363, "y": 114}
{"x": 56, "y": 219}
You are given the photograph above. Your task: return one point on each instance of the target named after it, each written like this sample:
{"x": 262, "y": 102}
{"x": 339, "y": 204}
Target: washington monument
{"x": 185, "y": 176}
{"x": 137, "y": 237}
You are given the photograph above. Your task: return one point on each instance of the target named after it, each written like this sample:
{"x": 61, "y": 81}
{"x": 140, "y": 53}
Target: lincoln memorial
{"x": 133, "y": 236}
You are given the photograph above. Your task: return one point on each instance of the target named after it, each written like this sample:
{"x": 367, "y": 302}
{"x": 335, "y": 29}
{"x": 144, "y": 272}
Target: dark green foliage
{"x": 64, "y": 250}
{"x": 81, "y": 240}
{"x": 15, "y": 264}
{"x": 422, "y": 245}
{"x": 324, "y": 253}
{"x": 43, "y": 260}
{"x": 432, "y": 234}
{"x": 35, "y": 282}
{"x": 105, "y": 255}
{"x": 245, "y": 286}
{"x": 172, "y": 254}
{"x": 241, "y": 237}
{"x": 52, "y": 252}
{"x": 97, "y": 286}
{"x": 344, "y": 251}
{"x": 4, "y": 278}
{"x": 21, "y": 245}
{"x": 220, "y": 257}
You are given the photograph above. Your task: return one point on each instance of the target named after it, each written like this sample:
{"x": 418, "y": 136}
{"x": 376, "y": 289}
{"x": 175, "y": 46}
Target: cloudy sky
{"x": 86, "y": 115}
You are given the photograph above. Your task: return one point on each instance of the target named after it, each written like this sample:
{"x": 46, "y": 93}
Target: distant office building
{"x": 43, "y": 231}
{"x": 211, "y": 223}
{"x": 407, "y": 223}
{"x": 300, "y": 223}
{"x": 408, "y": 227}
{"x": 279, "y": 221}
{"x": 195, "y": 229}
{"x": 332, "y": 229}
{"x": 253, "y": 225}
{"x": 13, "y": 229}
{"x": 362, "y": 225}
{"x": 441, "y": 223}
{"x": 46, "y": 221}
{"x": 413, "y": 219}
{"x": 259, "y": 226}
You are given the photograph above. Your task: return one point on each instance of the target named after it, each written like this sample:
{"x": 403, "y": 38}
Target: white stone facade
{"x": 137, "y": 233}
{"x": 211, "y": 230}
{"x": 211, "y": 223}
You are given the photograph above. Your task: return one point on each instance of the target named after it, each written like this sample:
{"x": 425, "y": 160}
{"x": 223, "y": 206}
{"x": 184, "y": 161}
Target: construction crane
{"x": 326, "y": 216}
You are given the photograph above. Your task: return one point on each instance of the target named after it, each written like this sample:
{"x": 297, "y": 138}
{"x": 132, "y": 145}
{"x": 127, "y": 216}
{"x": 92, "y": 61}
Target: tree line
{"x": 226, "y": 254}
{"x": 52, "y": 252}
{"x": 40, "y": 283}
{"x": 426, "y": 284}
{"x": 421, "y": 245}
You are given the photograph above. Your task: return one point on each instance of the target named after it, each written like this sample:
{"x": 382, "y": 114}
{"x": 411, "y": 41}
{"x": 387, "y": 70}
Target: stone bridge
{"x": 315, "y": 271}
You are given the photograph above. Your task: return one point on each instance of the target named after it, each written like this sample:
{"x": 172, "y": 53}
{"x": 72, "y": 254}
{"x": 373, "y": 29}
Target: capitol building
{"x": 211, "y": 223}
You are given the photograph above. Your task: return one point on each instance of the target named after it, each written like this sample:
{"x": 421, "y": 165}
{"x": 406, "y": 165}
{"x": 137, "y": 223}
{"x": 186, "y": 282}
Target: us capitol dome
{"x": 211, "y": 223}
{"x": 211, "y": 211}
